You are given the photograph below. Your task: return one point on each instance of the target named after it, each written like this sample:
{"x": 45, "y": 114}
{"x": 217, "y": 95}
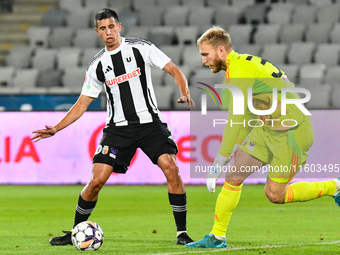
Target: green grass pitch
{"x": 138, "y": 220}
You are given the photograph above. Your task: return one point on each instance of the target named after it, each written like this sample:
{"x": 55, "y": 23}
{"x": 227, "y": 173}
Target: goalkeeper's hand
{"x": 217, "y": 169}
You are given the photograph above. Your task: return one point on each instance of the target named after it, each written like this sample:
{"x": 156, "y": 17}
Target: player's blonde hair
{"x": 215, "y": 36}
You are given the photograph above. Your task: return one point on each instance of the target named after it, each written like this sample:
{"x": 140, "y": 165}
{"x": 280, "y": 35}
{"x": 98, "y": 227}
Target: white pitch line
{"x": 194, "y": 250}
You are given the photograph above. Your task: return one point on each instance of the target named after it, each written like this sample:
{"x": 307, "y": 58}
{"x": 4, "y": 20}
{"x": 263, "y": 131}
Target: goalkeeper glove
{"x": 216, "y": 170}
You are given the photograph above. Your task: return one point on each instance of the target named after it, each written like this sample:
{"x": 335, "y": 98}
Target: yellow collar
{"x": 231, "y": 57}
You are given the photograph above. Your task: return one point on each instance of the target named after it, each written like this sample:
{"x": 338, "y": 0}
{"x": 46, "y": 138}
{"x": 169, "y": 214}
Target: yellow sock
{"x": 305, "y": 191}
{"x": 226, "y": 202}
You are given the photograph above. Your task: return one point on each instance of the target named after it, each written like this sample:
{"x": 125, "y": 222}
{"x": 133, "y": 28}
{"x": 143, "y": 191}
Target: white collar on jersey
{"x": 117, "y": 49}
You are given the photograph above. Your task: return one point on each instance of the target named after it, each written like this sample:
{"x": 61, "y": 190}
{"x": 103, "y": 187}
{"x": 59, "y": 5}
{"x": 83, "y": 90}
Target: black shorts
{"x": 119, "y": 144}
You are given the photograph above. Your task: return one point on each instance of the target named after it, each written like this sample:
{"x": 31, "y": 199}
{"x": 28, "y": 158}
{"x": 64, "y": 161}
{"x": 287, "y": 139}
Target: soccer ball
{"x": 87, "y": 236}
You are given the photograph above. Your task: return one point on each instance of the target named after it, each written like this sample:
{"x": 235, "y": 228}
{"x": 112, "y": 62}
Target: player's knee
{"x": 274, "y": 197}
{"x": 172, "y": 174}
{"x": 95, "y": 186}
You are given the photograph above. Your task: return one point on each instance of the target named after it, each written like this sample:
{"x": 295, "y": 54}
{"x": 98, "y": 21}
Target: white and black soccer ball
{"x": 87, "y": 236}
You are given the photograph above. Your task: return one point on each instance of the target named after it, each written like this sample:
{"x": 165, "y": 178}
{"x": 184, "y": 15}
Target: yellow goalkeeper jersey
{"x": 245, "y": 71}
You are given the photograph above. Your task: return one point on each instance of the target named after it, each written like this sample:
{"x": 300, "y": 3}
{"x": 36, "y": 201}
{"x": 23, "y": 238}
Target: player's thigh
{"x": 302, "y": 137}
{"x": 244, "y": 165}
{"x": 290, "y": 152}
{"x": 168, "y": 164}
{"x": 101, "y": 173}
{"x": 253, "y": 152}
{"x": 116, "y": 148}
{"x": 256, "y": 145}
{"x": 155, "y": 139}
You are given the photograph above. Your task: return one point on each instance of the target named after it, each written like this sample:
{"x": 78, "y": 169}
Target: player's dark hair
{"x": 105, "y": 13}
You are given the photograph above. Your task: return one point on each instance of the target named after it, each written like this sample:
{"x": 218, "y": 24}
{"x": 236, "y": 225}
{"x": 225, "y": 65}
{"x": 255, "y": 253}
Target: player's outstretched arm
{"x": 72, "y": 115}
{"x": 181, "y": 82}
{"x": 43, "y": 133}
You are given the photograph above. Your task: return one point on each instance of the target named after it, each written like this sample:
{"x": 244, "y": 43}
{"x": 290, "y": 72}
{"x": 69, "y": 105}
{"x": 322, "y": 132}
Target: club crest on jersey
{"x": 124, "y": 77}
{"x": 105, "y": 150}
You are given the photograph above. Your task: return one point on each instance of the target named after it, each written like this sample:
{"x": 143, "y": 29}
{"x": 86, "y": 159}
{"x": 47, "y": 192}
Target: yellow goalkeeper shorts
{"x": 284, "y": 151}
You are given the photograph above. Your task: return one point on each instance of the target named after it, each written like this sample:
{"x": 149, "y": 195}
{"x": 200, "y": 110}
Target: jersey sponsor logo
{"x": 251, "y": 146}
{"x": 113, "y": 153}
{"x": 124, "y": 77}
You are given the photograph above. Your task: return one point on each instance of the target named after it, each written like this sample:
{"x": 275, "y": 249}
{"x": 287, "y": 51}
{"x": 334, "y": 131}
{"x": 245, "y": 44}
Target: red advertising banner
{"x": 66, "y": 158}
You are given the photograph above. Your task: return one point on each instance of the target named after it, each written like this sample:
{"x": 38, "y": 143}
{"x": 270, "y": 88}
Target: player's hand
{"x": 43, "y": 133}
{"x": 217, "y": 169}
{"x": 185, "y": 99}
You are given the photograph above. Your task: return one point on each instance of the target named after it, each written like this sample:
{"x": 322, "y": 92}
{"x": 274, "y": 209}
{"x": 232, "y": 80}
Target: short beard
{"x": 217, "y": 64}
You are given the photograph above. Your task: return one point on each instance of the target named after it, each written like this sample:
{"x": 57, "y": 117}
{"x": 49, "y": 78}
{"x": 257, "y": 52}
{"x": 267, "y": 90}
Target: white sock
{"x": 220, "y": 238}
{"x": 337, "y": 182}
{"x": 180, "y": 232}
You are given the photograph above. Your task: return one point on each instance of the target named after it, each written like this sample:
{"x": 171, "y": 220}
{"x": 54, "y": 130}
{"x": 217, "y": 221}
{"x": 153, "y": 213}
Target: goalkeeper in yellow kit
{"x": 283, "y": 146}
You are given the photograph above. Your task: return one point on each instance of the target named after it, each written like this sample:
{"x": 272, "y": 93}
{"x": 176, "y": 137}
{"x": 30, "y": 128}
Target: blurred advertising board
{"x": 66, "y": 158}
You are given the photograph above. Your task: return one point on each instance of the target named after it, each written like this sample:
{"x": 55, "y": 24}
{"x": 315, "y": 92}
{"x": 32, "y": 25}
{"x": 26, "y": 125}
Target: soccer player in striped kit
{"x": 123, "y": 69}
{"x": 269, "y": 143}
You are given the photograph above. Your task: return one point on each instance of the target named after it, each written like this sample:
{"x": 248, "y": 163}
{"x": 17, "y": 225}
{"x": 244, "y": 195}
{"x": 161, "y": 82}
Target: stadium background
{"x": 46, "y": 46}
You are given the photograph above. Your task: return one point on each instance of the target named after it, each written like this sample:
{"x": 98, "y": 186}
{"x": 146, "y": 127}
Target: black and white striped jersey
{"x": 125, "y": 73}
